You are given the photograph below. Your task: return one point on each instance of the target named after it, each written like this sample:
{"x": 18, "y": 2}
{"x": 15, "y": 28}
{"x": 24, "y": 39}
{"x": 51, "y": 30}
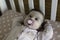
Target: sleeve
{"x": 48, "y": 32}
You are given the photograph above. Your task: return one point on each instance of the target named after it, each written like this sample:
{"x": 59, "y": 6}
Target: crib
{"x": 8, "y": 13}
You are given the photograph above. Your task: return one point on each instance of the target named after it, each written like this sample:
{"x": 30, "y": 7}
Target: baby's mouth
{"x": 30, "y": 22}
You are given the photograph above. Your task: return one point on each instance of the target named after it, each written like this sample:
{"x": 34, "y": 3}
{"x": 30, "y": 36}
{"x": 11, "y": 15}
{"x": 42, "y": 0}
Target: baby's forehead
{"x": 35, "y": 13}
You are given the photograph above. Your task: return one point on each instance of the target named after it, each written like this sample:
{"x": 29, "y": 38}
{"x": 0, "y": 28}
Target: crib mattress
{"x": 6, "y": 25}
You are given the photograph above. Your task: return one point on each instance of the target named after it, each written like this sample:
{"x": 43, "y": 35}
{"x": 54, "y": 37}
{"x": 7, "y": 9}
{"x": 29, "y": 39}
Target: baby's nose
{"x": 30, "y": 21}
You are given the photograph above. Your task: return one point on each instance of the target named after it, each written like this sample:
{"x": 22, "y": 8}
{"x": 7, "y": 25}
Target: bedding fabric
{"x": 6, "y": 25}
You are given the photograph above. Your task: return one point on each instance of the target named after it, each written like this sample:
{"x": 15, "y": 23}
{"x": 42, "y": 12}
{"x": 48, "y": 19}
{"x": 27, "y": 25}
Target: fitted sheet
{"x": 6, "y": 28}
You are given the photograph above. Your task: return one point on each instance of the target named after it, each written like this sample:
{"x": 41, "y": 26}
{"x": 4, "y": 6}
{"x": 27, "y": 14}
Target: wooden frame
{"x": 54, "y": 4}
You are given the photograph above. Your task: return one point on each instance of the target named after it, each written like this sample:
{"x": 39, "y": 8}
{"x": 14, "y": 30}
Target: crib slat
{"x": 12, "y": 4}
{"x": 54, "y": 9}
{"x": 3, "y": 5}
{"x": 21, "y": 5}
{"x": 42, "y": 5}
{"x": 31, "y": 4}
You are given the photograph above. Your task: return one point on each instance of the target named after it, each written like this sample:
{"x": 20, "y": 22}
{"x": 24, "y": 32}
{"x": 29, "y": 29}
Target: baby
{"x": 36, "y": 27}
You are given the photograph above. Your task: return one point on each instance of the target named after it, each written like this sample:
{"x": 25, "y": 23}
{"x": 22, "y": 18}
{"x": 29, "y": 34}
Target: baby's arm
{"x": 48, "y": 32}
{"x": 16, "y": 28}
{"x": 17, "y": 21}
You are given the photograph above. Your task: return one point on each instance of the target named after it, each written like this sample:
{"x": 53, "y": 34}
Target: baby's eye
{"x": 36, "y": 18}
{"x": 30, "y": 16}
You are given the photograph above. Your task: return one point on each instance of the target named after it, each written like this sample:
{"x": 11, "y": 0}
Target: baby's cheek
{"x": 37, "y": 24}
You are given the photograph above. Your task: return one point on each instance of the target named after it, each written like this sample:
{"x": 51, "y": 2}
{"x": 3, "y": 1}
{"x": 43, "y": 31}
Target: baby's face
{"x": 34, "y": 20}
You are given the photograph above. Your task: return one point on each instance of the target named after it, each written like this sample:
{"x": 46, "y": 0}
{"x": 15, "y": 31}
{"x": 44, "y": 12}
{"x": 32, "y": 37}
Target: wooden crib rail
{"x": 54, "y": 9}
{"x": 21, "y": 4}
{"x": 3, "y": 5}
{"x": 12, "y": 4}
{"x": 54, "y": 4}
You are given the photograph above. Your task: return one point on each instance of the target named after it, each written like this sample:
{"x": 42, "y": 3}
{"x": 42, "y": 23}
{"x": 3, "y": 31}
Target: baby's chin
{"x": 33, "y": 27}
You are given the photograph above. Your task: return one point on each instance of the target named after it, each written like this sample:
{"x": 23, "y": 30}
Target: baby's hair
{"x": 36, "y": 10}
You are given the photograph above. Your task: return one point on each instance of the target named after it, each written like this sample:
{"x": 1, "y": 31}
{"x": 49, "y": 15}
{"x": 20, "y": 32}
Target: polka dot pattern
{"x": 56, "y": 30}
{"x": 6, "y": 22}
